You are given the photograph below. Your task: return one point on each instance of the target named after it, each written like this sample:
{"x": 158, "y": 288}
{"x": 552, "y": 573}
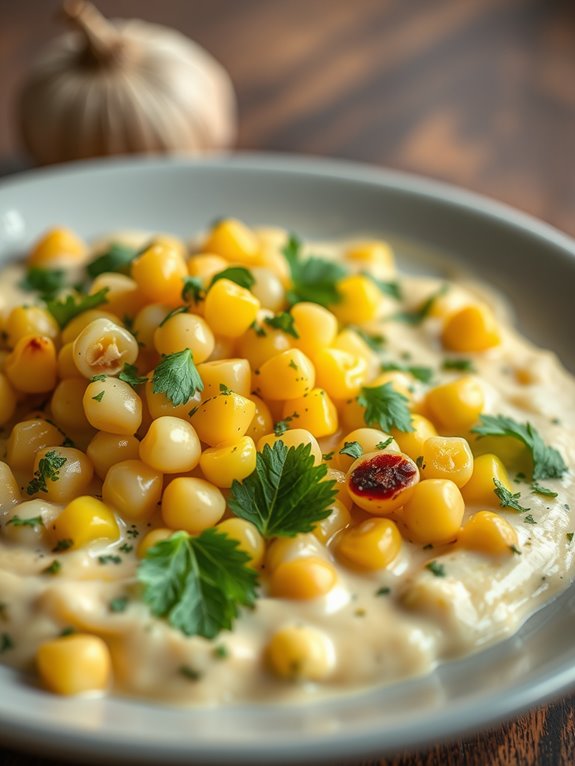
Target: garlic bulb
{"x": 123, "y": 87}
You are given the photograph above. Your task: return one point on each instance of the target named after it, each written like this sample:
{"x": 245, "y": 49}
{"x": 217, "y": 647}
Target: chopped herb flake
{"x": 508, "y": 499}
{"x": 436, "y": 569}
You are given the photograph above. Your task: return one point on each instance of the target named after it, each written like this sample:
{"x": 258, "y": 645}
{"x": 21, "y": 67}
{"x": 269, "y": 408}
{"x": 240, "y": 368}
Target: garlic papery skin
{"x": 124, "y": 87}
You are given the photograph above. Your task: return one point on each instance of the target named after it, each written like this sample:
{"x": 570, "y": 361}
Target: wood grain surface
{"x": 477, "y": 92}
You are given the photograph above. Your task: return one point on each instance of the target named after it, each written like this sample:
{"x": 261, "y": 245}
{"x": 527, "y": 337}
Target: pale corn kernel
{"x": 248, "y": 538}
{"x": 79, "y": 323}
{"x": 56, "y": 247}
{"x": 380, "y": 482}
{"x": 133, "y": 488}
{"x": 103, "y": 347}
{"x": 8, "y": 400}
{"x": 314, "y": 411}
{"x": 315, "y": 325}
{"x": 234, "y": 374}
{"x": 31, "y": 533}
{"x": 262, "y": 421}
{"x": 74, "y": 664}
{"x": 9, "y": 489}
{"x": 230, "y": 309}
{"x": 66, "y": 365}
{"x": 82, "y": 521}
{"x": 171, "y": 445}
{"x": 293, "y": 438}
{"x": 303, "y": 578}
{"x": 229, "y": 461}
{"x": 146, "y": 323}
{"x": 234, "y": 241}
{"x": 30, "y": 320}
{"x": 224, "y": 348}
{"x": 480, "y": 488}
{"x": 340, "y": 373}
{"x": 288, "y": 375}
{"x": 66, "y": 404}
{"x": 152, "y": 538}
{"x": 257, "y": 349}
{"x": 434, "y": 513}
{"x": 113, "y": 406}
{"x": 123, "y": 297}
{"x": 487, "y": 532}
{"x": 373, "y": 544}
{"x": 71, "y": 479}
{"x": 301, "y": 653}
{"x": 182, "y": 331}
{"x": 284, "y": 549}
{"x": 447, "y": 457}
{"x": 32, "y": 366}
{"x": 106, "y": 450}
{"x": 369, "y": 440}
{"x": 471, "y": 329}
{"x": 360, "y": 300}
{"x": 348, "y": 340}
{"x": 343, "y": 496}
{"x": 159, "y": 273}
{"x": 223, "y": 417}
{"x": 374, "y": 255}
{"x": 192, "y": 504}
{"x": 457, "y": 405}
{"x": 338, "y": 519}
{"x": 268, "y": 289}
{"x": 351, "y": 414}
{"x": 402, "y": 382}
{"x": 411, "y": 442}
{"x": 206, "y": 265}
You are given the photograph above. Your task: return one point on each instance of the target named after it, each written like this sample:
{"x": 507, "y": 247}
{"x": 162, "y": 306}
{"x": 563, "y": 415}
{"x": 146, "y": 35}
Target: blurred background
{"x": 476, "y": 92}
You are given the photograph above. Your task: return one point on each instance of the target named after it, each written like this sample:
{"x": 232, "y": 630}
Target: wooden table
{"x": 477, "y": 92}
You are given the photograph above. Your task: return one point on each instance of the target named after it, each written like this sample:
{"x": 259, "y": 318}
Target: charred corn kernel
{"x": 268, "y": 288}
{"x": 341, "y": 374}
{"x": 234, "y": 241}
{"x": 470, "y": 329}
{"x": 380, "y": 482}
{"x": 288, "y": 375}
{"x": 58, "y": 245}
{"x": 133, "y": 488}
{"x": 293, "y": 438}
{"x": 123, "y": 297}
{"x": 206, "y": 265}
{"x": 113, "y": 406}
{"x": 338, "y": 519}
{"x": 185, "y": 331}
{"x": 106, "y": 450}
{"x": 284, "y": 549}
{"x": 411, "y": 442}
{"x": 146, "y": 323}
{"x": 66, "y": 365}
{"x": 76, "y": 325}
{"x": 159, "y": 405}
{"x": 247, "y": 537}
{"x": 103, "y": 347}
{"x": 230, "y": 309}
{"x": 30, "y": 320}
{"x": 479, "y": 490}
{"x": 457, "y": 405}
{"x": 171, "y": 445}
{"x": 234, "y": 374}
{"x": 229, "y": 461}
{"x": 303, "y": 578}
{"x": 360, "y": 300}
{"x": 68, "y": 481}
{"x": 257, "y": 349}
{"x": 348, "y": 340}
{"x": 159, "y": 273}
{"x": 152, "y": 538}
{"x": 262, "y": 422}
{"x": 447, "y": 457}
{"x": 31, "y": 534}
{"x": 223, "y": 417}
{"x": 301, "y": 653}
{"x": 66, "y": 404}
{"x": 315, "y": 412}
{"x": 369, "y": 440}
{"x": 343, "y": 495}
{"x": 7, "y": 400}
{"x": 84, "y": 520}
{"x": 192, "y": 504}
{"x": 74, "y": 664}
{"x": 488, "y": 532}
{"x": 9, "y": 489}
{"x": 374, "y": 255}
{"x": 373, "y": 544}
{"x": 315, "y": 325}
{"x": 32, "y": 366}
{"x": 435, "y": 512}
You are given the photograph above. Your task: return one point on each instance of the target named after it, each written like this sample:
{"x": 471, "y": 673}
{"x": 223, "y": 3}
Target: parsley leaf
{"x": 193, "y": 290}
{"x": 238, "y": 274}
{"x": 130, "y": 376}
{"x": 529, "y": 519}
{"x": 547, "y": 461}
{"x": 17, "y": 521}
{"x": 313, "y": 279}
{"x": 508, "y": 499}
{"x": 461, "y": 365}
{"x": 393, "y": 289}
{"x": 283, "y": 321}
{"x": 539, "y": 490}
{"x": 418, "y": 315}
{"x": 436, "y": 569}
{"x": 47, "y": 282}
{"x": 99, "y": 397}
{"x": 353, "y": 449}
{"x": 197, "y": 582}
{"x": 384, "y": 444}
{"x": 385, "y": 407}
{"x": 6, "y": 642}
{"x": 118, "y": 604}
{"x": 117, "y": 257}
{"x": 423, "y": 374}
{"x": 286, "y": 494}
{"x": 48, "y": 469}
{"x": 177, "y": 377}
{"x": 65, "y": 310}
{"x": 172, "y": 313}
{"x": 53, "y": 568}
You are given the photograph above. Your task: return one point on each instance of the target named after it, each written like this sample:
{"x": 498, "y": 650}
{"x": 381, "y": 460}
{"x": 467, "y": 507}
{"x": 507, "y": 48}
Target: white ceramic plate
{"x": 532, "y": 264}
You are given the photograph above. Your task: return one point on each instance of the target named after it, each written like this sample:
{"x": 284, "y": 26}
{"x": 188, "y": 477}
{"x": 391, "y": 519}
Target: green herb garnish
{"x": 117, "y": 258}
{"x": 352, "y": 449}
{"x": 385, "y": 408}
{"x": 283, "y": 321}
{"x": 508, "y": 499}
{"x": 238, "y": 274}
{"x": 70, "y": 307}
{"x": 313, "y": 279}
{"x": 436, "y": 569}
{"x": 48, "y": 470}
{"x": 177, "y": 377}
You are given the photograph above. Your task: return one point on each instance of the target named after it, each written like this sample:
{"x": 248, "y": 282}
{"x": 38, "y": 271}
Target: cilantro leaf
{"x": 461, "y": 365}
{"x": 313, "y": 279}
{"x": 353, "y": 449}
{"x": 48, "y": 469}
{"x": 65, "y": 310}
{"x": 286, "y": 494}
{"x": 17, "y": 521}
{"x": 283, "y": 321}
{"x": 423, "y": 374}
{"x": 417, "y": 316}
{"x": 385, "y": 407}
{"x": 393, "y": 289}
{"x": 177, "y": 377}
{"x": 117, "y": 257}
{"x": 547, "y": 461}
{"x": 198, "y": 583}
{"x": 130, "y": 376}
{"x": 238, "y": 274}
{"x": 508, "y": 499}
{"x": 193, "y": 290}
{"x": 47, "y": 282}
{"x": 539, "y": 490}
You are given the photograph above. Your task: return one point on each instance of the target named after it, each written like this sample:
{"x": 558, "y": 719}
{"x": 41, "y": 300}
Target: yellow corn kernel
{"x": 159, "y": 404}
{"x": 373, "y": 544}
{"x": 113, "y": 406}
{"x": 74, "y": 664}
{"x": 71, "y": 479}
{"x": 284, "y": 549}
{"x": 192, "y": 504}
{"x": 103, "y": 347}
{"x": 457, "y": 405}
{"x": 340, "y": 373}
{"x": 30, "y": 320}
{"x": 488, "y": 532}
{"x": 351, "y": 414}
{"x": 26, "y": 438}
{"x": 8, "y": 400}
{"x": 343, "y": 495}
{"x": 230, "y": 309}
{"x": 348, "y": 340}
{"x": 76, "y": 325}
{"x": 234, "y": 374}
{"x": 206, "y": 265}
{"x": 471, "y": 329}
{"x": 262, "y": 422}
{"x": 106, "y": 450}
{"x": 66, "y": 365}
{"x": 380, "y": 482}
{"x": 174, "y": 243}
{"x": 257, "y": 349}
{"x": 288, "y": 375}
{"x": 374, "y": 255}
{"x": 360, "y": 300}
{"x": 248, "y": 538}
{"x": 303, "y": 578}
{"x": 293, "y": 438}
{"x": 133, "y": 488}
{"x": 224, "y": 348}
{"x": 223, "y": 417}
{"x": 435, "y": 512}
{"x": 268, "y": 289}
{"x": 57, "y": 246}
{"x": 147, "y": 321}
{"x": 229, "y": 461}
{"x": 152, "y": 538}
{"x": 315, "y": 412}
{"x": 369, "y": 439}
{"x": 9, "y": 489}
{"x": 301, "y": 653}
{"x": 411, "y": 442}
{"x": 480, "y": 489}
{"x": 82, "y": 521}
{"x": 32, "y": 367}
{"x": 447, "y": 457}
{"x": 159, "y": 273}
{"x": 234, "y": 241}
{"x": 183, "y": 331}
{"x": 171, "y": 446}
{"x": 123, "y": 297}
{"x": 66, "y": 404}
{"x": 315, "y": 325}
{"x": 338, "y": 519}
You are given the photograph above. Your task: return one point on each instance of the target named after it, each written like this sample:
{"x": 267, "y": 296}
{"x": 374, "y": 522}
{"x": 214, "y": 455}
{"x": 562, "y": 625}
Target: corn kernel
{"x": 152, "y": 538}
{"x": 71, "y": 479}
{"x": 338, "y": 519}
{"x": 343, "y": 495}
{"x": 123, "y": 297}
{"x": 480, "y": 489}
{"x": 375, "y": 255}
{"x": 32, "y": 534}
{"x": 373, "y": 544}
{"x": 159, "y": 405}
{"x": 368, "y": 439}
{"x": 146, "y": 323}
{"x": 159, "y": 273}
{"x": 230, "y": 309}
{"x": 27, "y": 438}
{"x": 113, "y": 406}
{"x": 32, "y": 367}
{"x": 229, "y": 461}
{"x": 9, "y": 489}
{"x": 223, "y": 418}
{"x": 76, "y": 325}
{"x": 288, "y": 375}
{"x": 234, "y": 241}
{"x": 284, "y": 549}
{"x": 133, "y": 488}
{"x": 434, "y": 512}
{"x": 348, "y": 340}
{"x": 183, "y": 331}
{"x": 360, "y": 300}
{"x": 66, "y": 365}
{"x": 206, "y": 265}
{"x": 262, "y": 422}
{"x": 268, "y": 289}
{"x": 171, "y": 446}
{"x": 103, "y": 347}
{"x": 234, "y": 374}
{"x": 457, "y": 405}
{"x": 74, "y": 664}
{"x": 380, "y": 482}
{"x": 303, "y": 578}
{"x": 248, "y": 538}
{"x": 257, "y": 349}
{"x": 340, "y": 373}
{"x": 106, "y": 450}
{"x": 471, "y": 329}
{"x": 488, "y": 532}
{"x": 301, "y": 653}
{"x": 192, "y": 504}
{"x": 57, "y": 246}
{"x": 84, "y": 520}
{"x": 315, "y": 412}
{"x": 293, "y": 438}
{"x": 30, "y": 320}
{"x": 7, "y": 400}
{"x": 315, "y": 325}
{"x": 411, "y": 442}
{"x": 447, "y": 457}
